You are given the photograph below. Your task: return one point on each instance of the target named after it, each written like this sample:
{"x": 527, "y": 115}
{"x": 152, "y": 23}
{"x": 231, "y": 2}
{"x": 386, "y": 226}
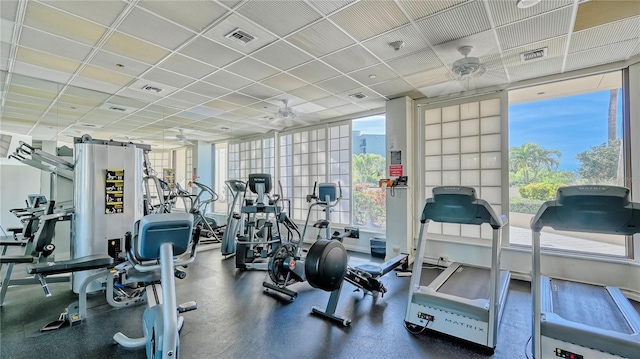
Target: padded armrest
{"x": 16, "y": 259}
{"x": 72, "y": 265}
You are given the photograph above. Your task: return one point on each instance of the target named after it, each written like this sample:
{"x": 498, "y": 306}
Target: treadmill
{"x": 464, "y": 301}
{"x": 578, "y": 320}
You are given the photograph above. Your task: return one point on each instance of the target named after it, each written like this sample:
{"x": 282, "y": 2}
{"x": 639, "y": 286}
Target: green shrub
{"x": 539, "y": 191}
{"x": 524, "y": 205}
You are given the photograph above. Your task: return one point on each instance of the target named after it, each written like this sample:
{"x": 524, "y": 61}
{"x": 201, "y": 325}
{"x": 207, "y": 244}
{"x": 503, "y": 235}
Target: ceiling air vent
{"x": 240, "y": 36}
{"x": 116, "y": 108}
{"x": 151, "y": 88}
{"x": 533, "y": 55}
{"x": 89, "y": 125}
{"x": 358, "y": 96}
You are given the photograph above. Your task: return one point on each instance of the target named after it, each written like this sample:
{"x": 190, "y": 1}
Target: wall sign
{"x": 396, "y": 158}
{"x": 395, "y": 171}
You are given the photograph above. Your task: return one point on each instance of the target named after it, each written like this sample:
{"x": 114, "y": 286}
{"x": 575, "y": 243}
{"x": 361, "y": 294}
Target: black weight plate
{"x": 277, "y": 271}
{"x": 326, "y": 264}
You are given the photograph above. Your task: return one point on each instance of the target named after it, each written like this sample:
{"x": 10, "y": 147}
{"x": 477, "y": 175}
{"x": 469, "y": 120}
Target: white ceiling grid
{"x": 314, "y": 53}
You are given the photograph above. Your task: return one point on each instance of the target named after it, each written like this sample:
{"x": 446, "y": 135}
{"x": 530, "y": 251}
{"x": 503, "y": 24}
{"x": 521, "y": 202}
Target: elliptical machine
{"x": 158, "y": 238}
{"x": 237, "y": 189}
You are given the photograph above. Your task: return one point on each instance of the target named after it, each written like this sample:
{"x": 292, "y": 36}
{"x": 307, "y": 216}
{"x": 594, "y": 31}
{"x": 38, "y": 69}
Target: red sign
{"x": 395, "y": 170}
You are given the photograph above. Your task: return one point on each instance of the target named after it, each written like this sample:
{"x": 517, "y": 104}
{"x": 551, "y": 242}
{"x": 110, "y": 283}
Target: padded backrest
{"x": 457, "y": 204}
{"x": 47, "y": 229}
{"x": 156, "y": 229}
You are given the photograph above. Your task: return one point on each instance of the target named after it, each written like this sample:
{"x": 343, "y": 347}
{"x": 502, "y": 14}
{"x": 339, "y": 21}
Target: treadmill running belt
{"x": 468, "y": 282}
{"x": 587, "y": 304}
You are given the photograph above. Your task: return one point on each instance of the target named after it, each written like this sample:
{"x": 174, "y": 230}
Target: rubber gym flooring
{"x": 235, "y": 319}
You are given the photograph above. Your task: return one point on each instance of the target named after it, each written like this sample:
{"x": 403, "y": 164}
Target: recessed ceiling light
{"x": 523, "y": 4}
{"x": 119, "y": 65}
{"x": 372, "y": 76}
{"x": 541, "y": 93}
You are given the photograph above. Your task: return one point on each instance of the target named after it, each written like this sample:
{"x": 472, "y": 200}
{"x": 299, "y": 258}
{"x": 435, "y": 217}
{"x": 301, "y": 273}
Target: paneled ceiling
{"x": 142, "y": 70}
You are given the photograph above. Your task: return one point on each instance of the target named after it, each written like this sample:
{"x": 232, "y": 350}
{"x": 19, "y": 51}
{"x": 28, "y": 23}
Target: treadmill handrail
{"x": 592, "y": 208}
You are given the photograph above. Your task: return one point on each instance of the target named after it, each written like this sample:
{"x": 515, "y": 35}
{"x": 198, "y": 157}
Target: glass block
{"x": 491, "y": 160}
{"x": 322, "y": 146}
{"x": 322, "y": 157}
{"x": 296, "y": 148}
{"x": 345, "y": 131}
{"x": 470, "y": 144}
{"x": 304, "y": 147}
{"x": 432, "y": 116}
{"x": 451, "y": 145}
{"x": 322, "y": 134}
{"x": 344, "y": 167}
{"x": 305, "y": 159}
{"x": 469, "y": 230}
{"x": 432, "y": 132}
{"x": 344, "y": 142}
{"x": 451, "y": 129}
{"x": 433, "y": 179}
{"x": 322, "y": 170}
{"x": 433, "y": 147}
{"x": 451, "y": 113}
{"x": 334, "y": 132}
{"x": 344, "y": 180}
{"x": 345, "y": 156}
{"x": 334, "y": 144}
{"x": 451, "y": 162}
{"x": 451, "y": 178}
{"x": 490, "y": 107}
{"x": 451, "y": 229}
{"x": 490, "y": 125}
{"x": 490, "y": 178}
{"x": 313, "y": 146}
{"x": 469, "y": 127}
{"x": 435, "y": 228}
{"x": 469, "y": 110}
{"x": 433, "y": 163}
{"x": 490, "y": 143}
{"x": 469, "y": 161}
{"x": 492, "y": 195}
{"x": 313, "y": 135}
{"x": 296, "y": 160}
{"x": 428, "y": 193}
{"x": 470, "y": 178}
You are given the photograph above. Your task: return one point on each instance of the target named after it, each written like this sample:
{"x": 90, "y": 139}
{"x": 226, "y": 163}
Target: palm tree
{"x": 530, "y": 158}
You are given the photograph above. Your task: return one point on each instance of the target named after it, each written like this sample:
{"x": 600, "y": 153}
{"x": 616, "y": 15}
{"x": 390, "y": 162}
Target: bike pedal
{"x": 187, "y": 307}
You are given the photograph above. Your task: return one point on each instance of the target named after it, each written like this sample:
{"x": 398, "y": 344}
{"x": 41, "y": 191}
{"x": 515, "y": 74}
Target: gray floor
{"x": 236, "y": 320}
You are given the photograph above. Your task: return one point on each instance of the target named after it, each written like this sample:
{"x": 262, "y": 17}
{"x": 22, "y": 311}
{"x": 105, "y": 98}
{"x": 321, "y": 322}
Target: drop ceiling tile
{"x": 6, "y": 32}
{"x": 58, "y": 23}
{"x": 536, "y": 69}
{"x": 233, "y": 22}
{"x": 381, "y": 45}
{"x": 133, "y": 48}
{"x": 252, "y": 69}
{"x": 8, "y": 9}
{"x": 350, "y": 59}
{"x": 260, "y": 91}
{"x": 205, "y": 110}
{"x": 505, "y": 12}
{"x": 392, "y": 87}
{"x": 28, "y": 99}
{"x": 555, "y": 47}
{"x": 46, "y": 60}
{"x": 417, "y": 9}
{"x": 206, "y": 89}
{"x": 164, "y": 111}
{"x": 45, "y": 42}
{"x": 338, "y": 84}
{"x": 100, "y": 74}
{"x": 281, "y": 55}
{"x": 187, "y": 66}
{"x": 380, "y": 71}
{"x": 310, "y": 93}
{"x": 595, "y": 13}
{"x": 314, "y": 71}
{"x": 239, "y": 99}
{"x": 636, "y": 51}
{"x": 230, "y": 116}
{"x": 605, "y": 34}
{"x": 85, "y": 94}
{"x": 96, "y": 85}
{"x": 456, "y": 23}
{"x": 210, "y": 52}
{"x": 600, "y": 55}
{"x": 248, "y": 112}
{"x": 542, "y": 27}
{"x": 44, "y": 73}
{"x": 169, "y": 102}
{"x": 369, "y": 18}
{"x": 195, "y": 15}
{"x": 265, "y": 107}
{"x": 320, "y": 39}
{"x": 140, "y": 95}
{"x": 284, "y": 82}
{"x": 151, "y": 28}
{"x": 370, "y": 94}
{"x": 331, "y": 101}
{"x": 380, "y": 103}
{"x": 327, "y": 7}
{"x": 168, "y": 78}
{"x": 24, "y": 105}
{"x": 417, "y": 62}
{"x": 348, "y": 109}
{"x": 102, "y": 12}
{"x": 280, "y": 17}
{"x": 108, "y": 60}
{"x": 227, "y": 80}
{"x": 189, "y": 97}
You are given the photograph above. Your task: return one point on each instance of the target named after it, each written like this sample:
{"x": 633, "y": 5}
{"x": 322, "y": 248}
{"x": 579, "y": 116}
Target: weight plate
{"x": 277, "y": 271}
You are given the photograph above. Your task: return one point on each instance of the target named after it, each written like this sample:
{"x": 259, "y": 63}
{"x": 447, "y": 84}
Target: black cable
{"x": 416, "y": 332}
{"x": 526, "y": 353}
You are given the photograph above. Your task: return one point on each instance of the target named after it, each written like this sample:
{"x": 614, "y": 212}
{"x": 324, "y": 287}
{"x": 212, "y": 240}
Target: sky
{"x": 570, "y": 124}
{"x": 374, "y": 125}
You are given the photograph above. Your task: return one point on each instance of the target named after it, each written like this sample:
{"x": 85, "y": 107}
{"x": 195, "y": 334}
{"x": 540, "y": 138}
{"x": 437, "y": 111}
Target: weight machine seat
{"x": 378, "y": 270}
{"x": 73, "y": 265}
{"x": 15, "y": 242}
{"x": 16, "y": 259}
{"x": 154, "y": 230}
{"x": 15, "y": 230}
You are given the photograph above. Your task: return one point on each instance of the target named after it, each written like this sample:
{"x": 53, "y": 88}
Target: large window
{"x": 368, "y": 167}
{"x": 220, "y": 175}
{"x": 564, "y": 133}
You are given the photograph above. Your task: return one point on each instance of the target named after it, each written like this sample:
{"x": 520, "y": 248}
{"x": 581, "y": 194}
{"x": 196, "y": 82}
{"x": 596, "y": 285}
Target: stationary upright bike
{"x": 157, "y": 240}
